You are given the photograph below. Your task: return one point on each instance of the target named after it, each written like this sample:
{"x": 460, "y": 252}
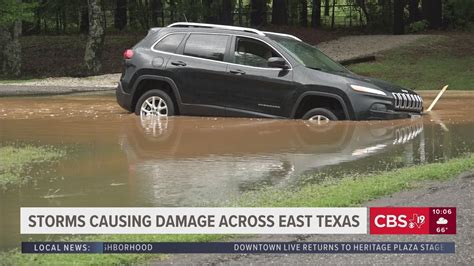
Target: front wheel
{"x": 320, "y": 115}
{"x": 155, "y": 103}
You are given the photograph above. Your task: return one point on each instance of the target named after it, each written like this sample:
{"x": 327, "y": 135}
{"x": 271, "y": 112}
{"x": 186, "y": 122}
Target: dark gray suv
{"x": 215, "y": 70}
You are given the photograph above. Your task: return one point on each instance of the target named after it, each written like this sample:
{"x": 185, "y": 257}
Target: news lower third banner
{"x": 193, "y": 220}
{"x": 308, "y": 221}
{"x": 240, "y": 247}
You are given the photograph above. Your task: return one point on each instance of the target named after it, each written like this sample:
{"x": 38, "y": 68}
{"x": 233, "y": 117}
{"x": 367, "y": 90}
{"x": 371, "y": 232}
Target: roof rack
{"x": 283, "y": 35}
{"x": 225, "y": 27}
{"x": 215, "y": 26}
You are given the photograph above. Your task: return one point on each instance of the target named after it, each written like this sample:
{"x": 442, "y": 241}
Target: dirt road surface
{"x": 37, "y": 90}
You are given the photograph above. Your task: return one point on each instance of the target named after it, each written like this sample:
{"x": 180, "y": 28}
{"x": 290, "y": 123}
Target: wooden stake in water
{"x": 437, "y": 98}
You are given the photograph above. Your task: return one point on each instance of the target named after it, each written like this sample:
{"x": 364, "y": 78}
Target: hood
{"x": 384, "y": 85}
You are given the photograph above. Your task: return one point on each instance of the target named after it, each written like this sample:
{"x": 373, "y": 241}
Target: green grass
{"x": 356, "y": 190}
{"x": 349, "y": 191}
{"x": 16, "y": 162}
{"x": 14, "y": 257}
{"x": 427, "y": 64}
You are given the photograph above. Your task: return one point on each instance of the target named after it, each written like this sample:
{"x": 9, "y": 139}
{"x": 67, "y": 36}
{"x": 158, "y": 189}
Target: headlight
{"x": 368, "y": 90}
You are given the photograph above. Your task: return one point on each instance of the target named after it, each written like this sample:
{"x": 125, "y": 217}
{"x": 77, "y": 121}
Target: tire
{"x": 323, "y": 112}
{"x": 158, "y": 94}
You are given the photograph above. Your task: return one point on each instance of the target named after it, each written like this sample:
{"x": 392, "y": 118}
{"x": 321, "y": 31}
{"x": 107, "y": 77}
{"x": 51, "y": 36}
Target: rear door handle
{"x": 237, "y": 72}
{"x": 178, "y": 63}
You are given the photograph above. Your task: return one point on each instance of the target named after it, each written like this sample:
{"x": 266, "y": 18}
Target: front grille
{"x": 407, "y": 102}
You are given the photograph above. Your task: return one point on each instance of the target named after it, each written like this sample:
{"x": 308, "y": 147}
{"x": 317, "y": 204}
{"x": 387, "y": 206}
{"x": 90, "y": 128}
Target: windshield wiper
{"x": 315, "y": 68}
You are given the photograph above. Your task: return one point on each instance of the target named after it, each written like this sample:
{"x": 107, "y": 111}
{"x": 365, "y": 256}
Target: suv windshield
{"x": 308, "y": 55}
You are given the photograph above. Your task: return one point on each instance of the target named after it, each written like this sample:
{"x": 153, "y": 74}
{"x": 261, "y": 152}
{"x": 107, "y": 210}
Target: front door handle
{"x": 237, "y": 72}
{"x": 178, "y": 63}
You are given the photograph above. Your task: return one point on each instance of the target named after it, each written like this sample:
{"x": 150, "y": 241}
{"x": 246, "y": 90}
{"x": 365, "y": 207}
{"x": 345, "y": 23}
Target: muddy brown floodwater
{"x": 117, "y": 159}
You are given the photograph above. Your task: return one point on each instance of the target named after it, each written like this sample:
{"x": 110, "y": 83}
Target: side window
{"x": 170, "y": 43}
{"x": 251, "y": 52}
{"x": 207, "y": 46}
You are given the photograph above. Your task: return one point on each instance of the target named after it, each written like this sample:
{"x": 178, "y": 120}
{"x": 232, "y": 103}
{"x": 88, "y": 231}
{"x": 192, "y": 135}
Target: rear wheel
{"x": 320, "y": 115}
{"x": 155, "y": 103}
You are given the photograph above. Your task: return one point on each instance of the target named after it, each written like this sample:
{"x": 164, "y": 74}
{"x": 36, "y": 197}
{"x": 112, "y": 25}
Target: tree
{"x": 84, "y": 19}
{"x": 241, "y": 7}
{"x": 12, "y": 13}
{"x": 120, "y": 16}
{"x": 316, "y": 14}
{"x": 210, "y": 14}
{"x": 95, "y": 38}
{"x": 279, "y": 12}
{"x": 303, "y": 5}
{"x": 413, "y": 10}
{"x": 398, "y": 24}
{"x": 156, "y": 12}
{"x": 227, "y": 8}
{"x": 326, "y": 8}
{"x": 258, "y": 12}
{"x": 433, "y": 12}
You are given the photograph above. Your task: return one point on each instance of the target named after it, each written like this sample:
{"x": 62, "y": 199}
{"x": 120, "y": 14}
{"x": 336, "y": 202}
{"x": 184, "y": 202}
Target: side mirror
{"x": 277, "y": 62}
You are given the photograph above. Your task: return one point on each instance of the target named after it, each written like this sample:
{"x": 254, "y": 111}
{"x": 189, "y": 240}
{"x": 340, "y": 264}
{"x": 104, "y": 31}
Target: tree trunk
{"x": 258, "y": 10}
{"x": 84, "y": 24}
{"x": 227, "y": 8}
{"x": 303, "y": 13}
{"x": 120, "y": 16}
{"x": 241, "y": 7}
{"x": 398, "y": 24}
{"x": 279, "y": 12}
{"x": 193, "y": 15}
{"x": 363, "y": 7}
{"x": 316, "y": 14}
{"x": 333, "y": 14}
{"x": 172, "y": 10}
{"x": 210, "y": 14}
{"x": 10, "y": 53}
{"x": 413, "y": 11}
{"x": 95, "y": 39}
{"x": 433, "y": 12}
{"x": 326, "y": 8}
{"x": 156, "y": 11}
{"x": 293, "y": 12}
{"x": 132, "y": 13}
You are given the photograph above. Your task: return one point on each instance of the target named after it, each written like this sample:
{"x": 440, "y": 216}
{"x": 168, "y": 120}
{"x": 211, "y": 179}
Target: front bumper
{"x": 123, "y": 99}
{"x": 391, "y": 114}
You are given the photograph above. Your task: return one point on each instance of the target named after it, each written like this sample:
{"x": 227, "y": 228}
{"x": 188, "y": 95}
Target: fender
{"x": 324, "y": 94}
{"x": 168, "y": 80}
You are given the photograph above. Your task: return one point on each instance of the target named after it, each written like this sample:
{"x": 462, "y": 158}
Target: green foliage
{"x": 12, "y": 10}
{"x": 459, "y": 13}
{"x": 418, "y": 26}
{"x": 378, "y": 14}
{"x": 16, "y": 162}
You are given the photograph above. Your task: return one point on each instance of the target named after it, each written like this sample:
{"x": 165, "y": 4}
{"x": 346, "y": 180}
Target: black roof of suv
{"x": 217, "y": 70}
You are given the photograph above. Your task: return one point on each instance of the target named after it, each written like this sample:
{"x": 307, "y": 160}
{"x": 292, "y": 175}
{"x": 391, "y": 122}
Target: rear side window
{"x": 209, "y": 46}
{"x": 170, "y": 43}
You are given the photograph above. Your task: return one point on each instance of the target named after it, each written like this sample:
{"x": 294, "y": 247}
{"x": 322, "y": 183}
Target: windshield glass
{"x": 308, "y": 55}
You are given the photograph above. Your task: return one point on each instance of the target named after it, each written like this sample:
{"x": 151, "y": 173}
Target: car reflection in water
{"x": 191, "y": 161}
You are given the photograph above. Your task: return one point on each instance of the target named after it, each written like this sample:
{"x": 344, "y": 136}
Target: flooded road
{"x": 117, "y": 159}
